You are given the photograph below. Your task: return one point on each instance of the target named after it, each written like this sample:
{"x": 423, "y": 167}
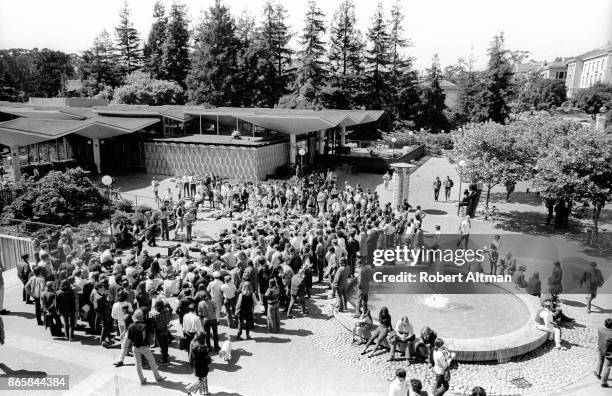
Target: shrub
{"x": 58, "y": 197}
{"x": 125, "y": 205}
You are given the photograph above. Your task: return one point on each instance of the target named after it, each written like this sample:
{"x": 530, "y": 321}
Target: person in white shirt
{"x": 216, "y": 293}
{"x": 464, "y": 229}
{"x": 399, "y": 386}
{"x": 442, "y": 359}
{"x": 229, "y": 299}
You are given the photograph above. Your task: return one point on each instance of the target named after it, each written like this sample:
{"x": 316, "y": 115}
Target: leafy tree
{"x": 345, "y": 59}
{"x": 431, "y": 112}
{"x": 213, "y": 61}
{"x": 311, "y": 74}
{"x": 493, "y": 153}
{"x": 541, "y": 94}
{"x": 154, "y": 47}
{"x": 274, "y": 67}
{"x": 378, "y": 62}
{"x": 591, "y": 100}
{"x": 57, "y": 197}
{"x": 52, "y": 70}
{"x": 100, "y": 67}
{"x": 498, "y": 83}
{"x": 128, "y": 42}
{"x": 578, "y": 166}
{"x": 454, "y": 73}
{"x": 175, "y": 50}
{"x": 471, "y": 85}
{"x": 140, "y": 88}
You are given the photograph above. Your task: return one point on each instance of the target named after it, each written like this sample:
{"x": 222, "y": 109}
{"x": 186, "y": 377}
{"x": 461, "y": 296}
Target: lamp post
{"x": 393, "y": 140}
{"x": 108, "y": 182}
{"x": 302, "y": 153}
{"x": 462, "y": 163}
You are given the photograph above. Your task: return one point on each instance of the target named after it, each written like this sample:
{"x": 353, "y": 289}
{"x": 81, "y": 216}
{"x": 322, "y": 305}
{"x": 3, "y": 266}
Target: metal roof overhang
{"x": 26, "y": 131}
{"x": 42, "y": 114}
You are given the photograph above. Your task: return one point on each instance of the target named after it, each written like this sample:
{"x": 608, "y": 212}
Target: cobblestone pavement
{"x": 543, "y": 371}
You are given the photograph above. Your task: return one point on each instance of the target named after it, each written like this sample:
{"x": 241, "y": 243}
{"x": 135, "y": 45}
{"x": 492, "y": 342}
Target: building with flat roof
{"x": 585, "y": 70}
{"x": 238, "y": 143}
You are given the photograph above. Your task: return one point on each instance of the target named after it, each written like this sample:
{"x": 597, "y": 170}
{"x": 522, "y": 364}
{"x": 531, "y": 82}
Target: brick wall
{"x": 234, "y": 162}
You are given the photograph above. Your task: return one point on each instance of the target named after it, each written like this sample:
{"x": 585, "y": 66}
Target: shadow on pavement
{"x": 9, "y": 372}
{"x": 26, "y": 315}
{"x": 519, "y": 197}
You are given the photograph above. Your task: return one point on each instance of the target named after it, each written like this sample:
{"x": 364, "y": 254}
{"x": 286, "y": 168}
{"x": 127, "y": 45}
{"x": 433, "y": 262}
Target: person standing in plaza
{"x": 464, "y": 231}
{"x": 67, "y": 308}
{"x": 399, "y": 386}
{"x": 244, "y": 311}
{"x": 604, "y": 364}
{"x": 185, "y": 180}
{"x": 593, "y": 280}
{"x": 208, "y": 316}
{"x": 138, "y": 337}
{"x": 442, "y": 360}
{"x": 193, "y": 182}
{"x": 341, "y": 284}
{"x": 3, "y": 311}
{"x": 199, "y": 360}
{"x": 386, "y": 178}
{"x": 437, "y": 185}
{"x": 35, "y": 287}
{"x": 163, "y": 218}
{"x": 24, "y": 272}
{"x": 162, "y": 317}
{"x": 155, "y": 187}
{"x": 229, "y": 291}
{"x": 49, "y": 307}
{"x": 272, "y": 296}
{"x": 192, "y": 324}
{"x": 448, "y": 186}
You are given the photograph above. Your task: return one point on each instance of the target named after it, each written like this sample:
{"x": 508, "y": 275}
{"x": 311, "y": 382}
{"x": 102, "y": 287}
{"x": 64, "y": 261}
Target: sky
{"x": 450, "y": 28}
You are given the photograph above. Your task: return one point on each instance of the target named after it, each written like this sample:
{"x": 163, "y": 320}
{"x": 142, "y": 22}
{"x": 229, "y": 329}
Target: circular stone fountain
{"x": 477, "y": 327}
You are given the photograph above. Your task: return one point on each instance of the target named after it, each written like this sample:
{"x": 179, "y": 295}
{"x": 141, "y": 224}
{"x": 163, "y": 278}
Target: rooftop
{"x": 224, "y": 140}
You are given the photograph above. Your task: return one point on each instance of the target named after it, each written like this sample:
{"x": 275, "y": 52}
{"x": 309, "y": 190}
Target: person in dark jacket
{"x": 24, "y": 272}
{"x": 272, "y": 296}
{"x": 534, "y": 285}
{"x": 138, "y": 337}
{"x": 244, "y": 310}
{"x": 199, "y": 360}
{"x": 49, "y": 306}
{"x": 66, "y": 306}
{"x": 341, "y": 284}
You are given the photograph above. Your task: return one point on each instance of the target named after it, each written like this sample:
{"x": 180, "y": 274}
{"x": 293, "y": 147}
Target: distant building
{"x": 451, "y": 94}
{"x": 584, "y": 70}
{"x": 553, "y": 71}
{"x": 523, "y": 69}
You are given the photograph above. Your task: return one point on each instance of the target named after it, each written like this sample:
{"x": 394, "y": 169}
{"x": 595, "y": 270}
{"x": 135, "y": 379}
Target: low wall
{"x": 233, "y": 162}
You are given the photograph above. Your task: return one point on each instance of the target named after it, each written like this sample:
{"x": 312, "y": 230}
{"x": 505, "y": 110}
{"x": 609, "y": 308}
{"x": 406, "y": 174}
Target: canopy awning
{"x": 34, "y": 113}
{"x": 26, "y": 131}
{"x": 288, "y": 121}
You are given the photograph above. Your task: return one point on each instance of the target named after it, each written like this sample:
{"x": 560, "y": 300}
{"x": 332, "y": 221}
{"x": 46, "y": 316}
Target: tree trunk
{"x": 488, "y": 195}
{"x": 596, "y": 213}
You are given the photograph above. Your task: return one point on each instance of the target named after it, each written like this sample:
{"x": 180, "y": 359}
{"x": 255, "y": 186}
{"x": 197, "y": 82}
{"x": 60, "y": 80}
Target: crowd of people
{"x": 287, "y": 236}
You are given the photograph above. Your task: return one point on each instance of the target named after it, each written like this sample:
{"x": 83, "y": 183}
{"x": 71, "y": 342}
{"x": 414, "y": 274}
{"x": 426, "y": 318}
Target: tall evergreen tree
{"x": 274, "y": 67}
{"x": 100, "y": 67}
{"x": 175, "y": 50}
{"x": 248, "y": 59}
{"x": 211, "y": 78}
{"x": 378, "y": 90}
{"x": 403, "y": 81}
{"x": 431, "y": 112}
{"x": 345, "y": 58}
{"x": 128, "y": 42}
{"x": 154, "y": 47}
{"x": 311, "y": 74}
{"x": 498, "y": 82}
